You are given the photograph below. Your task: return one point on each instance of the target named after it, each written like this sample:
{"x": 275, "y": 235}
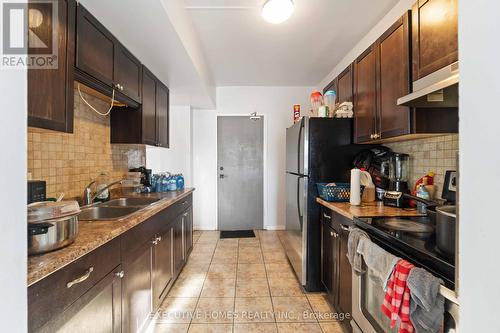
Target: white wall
{"x": 177, "y": 158}
{"x": 479, "y": 138}
{"x": 276, "y": 105}
{"x": 394, "y": 14}
{"x": 13, "y": 241}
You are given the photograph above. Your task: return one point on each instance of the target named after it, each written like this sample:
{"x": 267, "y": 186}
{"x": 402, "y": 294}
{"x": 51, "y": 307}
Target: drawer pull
{"x": 331, "y": 233}
{"x": 120, "y": 274}
{"x": 81, "y": 278}
{"x": 185, "y": 214}
{"x": 344, "y": 228}
{"x": 184, "y": 203}
{"x": 327, "y": 217}
{"x": 158, "y": 239}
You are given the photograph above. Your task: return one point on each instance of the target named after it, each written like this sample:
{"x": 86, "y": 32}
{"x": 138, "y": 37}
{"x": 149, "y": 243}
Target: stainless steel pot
{"x": 446, "y": 217}
{"x": 52, "y": 234}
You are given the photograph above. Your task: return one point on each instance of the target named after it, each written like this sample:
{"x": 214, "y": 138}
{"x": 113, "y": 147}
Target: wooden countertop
{"x": 93, "y": 234}
{"x": 368, "y": 209}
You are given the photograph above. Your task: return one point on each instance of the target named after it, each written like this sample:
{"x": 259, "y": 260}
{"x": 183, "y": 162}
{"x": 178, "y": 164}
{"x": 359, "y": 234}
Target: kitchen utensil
{"x": 51, "y": 225}
{"x": 445, "y": 229}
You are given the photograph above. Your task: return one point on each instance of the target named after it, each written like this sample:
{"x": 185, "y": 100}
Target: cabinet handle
{"x": 184, "y": 203}
{"x": 335, "y": 235}
{"x": 158, "y": 239}
{"x": 81, "y": 278}
{"x": 344, "y": 227}
{"x": 185, "y": 214}
{"x": 327, "y": 217}
{"x": 331, "y": 233}
{"x": 155, "y": 241}
{"x": 372, "y": 136}
{"x": 120, "y": 274}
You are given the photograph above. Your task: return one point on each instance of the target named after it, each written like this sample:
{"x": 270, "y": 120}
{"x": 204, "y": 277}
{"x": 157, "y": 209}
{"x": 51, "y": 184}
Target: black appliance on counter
{"x": 37, "y": 191}
{"x": 318, "y": 150}
{"x": 145, "y": 175}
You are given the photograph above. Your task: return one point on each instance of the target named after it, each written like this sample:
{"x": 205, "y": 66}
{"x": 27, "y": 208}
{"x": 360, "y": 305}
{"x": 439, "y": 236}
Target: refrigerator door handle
{"x": 298, "y": 145}
{"x": 299, "y": 210}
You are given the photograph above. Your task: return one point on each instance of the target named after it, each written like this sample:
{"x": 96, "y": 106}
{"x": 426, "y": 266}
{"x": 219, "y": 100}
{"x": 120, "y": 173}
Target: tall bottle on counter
{"x": 355, "y": 198}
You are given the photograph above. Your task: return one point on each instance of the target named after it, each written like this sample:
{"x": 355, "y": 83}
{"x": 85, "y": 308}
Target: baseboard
{"x": 274, "y": 227}
{"x": 204, "y": 228}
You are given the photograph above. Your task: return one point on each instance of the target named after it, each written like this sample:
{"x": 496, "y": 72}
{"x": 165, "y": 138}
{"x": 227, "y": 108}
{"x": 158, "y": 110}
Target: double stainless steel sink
{"x": 114, "y": 209}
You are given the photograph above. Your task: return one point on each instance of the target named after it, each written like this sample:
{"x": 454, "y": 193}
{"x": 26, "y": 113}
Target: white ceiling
{"x": 196, "y": 45}
{"x": 242, "y": 49}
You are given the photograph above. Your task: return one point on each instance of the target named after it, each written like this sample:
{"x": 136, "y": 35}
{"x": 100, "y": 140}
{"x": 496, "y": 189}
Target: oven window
{"x": 372, "y": 296}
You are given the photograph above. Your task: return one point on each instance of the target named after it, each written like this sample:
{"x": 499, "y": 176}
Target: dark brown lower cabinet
{"x": 162, "y": 269}
{"x": 336, "y": 273}
{"x": 98, "y": 310}
{"x": 188, "y": 231}
{"x": 120, "y": 284}
{"x": 136, "y": 289}
{"x": 178, "y": 245}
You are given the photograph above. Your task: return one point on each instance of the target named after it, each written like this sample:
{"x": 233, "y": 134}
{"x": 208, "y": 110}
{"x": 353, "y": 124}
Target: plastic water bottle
{"x": 172, "y": 183}
{"x": 180, "y": 182}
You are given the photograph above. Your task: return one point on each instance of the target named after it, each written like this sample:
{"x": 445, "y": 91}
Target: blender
{"x": 398, "y": 165}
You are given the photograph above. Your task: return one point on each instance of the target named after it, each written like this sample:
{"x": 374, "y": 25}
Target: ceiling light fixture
{"x": 277, "y": 11}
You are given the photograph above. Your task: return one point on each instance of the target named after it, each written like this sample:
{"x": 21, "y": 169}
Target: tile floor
{"x": 241, "y": 285}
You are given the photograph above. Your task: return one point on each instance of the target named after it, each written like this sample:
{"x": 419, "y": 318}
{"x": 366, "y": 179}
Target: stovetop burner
{"x": 414, "y": 238}
{"x": 400, "y": 224}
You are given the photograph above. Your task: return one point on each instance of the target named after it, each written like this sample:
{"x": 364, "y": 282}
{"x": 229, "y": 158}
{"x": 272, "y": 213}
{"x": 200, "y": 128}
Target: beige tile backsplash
{"x": 68, "y": 161}
{"x": 436, "y": 154}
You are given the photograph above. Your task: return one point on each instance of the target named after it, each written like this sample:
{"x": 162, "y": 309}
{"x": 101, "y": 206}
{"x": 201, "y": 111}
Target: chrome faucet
{"x": 88, "y": 197}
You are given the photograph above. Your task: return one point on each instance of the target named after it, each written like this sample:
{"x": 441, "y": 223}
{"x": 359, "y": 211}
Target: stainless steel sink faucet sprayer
{"x": 88, "y": 197}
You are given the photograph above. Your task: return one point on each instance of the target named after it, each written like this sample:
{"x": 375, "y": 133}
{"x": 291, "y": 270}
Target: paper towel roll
{"x": 355, "y": 199}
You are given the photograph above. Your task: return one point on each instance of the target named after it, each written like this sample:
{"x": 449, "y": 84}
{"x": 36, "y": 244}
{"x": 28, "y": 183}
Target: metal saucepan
{"x": 445, "y": 229}
{"x": 52, "y": 234}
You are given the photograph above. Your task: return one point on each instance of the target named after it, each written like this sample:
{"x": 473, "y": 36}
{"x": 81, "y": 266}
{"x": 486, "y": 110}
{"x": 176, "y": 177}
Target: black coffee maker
{"x": 145, "y": 175}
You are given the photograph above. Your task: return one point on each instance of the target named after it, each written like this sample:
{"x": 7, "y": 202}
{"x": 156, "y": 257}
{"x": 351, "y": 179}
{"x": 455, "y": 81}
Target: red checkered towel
{"x": 397, "y": 297}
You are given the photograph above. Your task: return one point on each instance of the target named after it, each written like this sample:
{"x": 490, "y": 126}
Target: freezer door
{"x": 294, "y": 238}
{"x": 296, "y": 147}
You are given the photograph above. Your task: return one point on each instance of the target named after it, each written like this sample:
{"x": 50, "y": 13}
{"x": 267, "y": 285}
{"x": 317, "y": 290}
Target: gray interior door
{"x": 240, "y": 164}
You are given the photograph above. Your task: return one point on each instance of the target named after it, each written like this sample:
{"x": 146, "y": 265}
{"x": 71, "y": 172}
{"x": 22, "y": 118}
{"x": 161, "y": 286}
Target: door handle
{"x": 81, "y": 278}
{"x": 344, "y": 228}
{"x": 327, "y": 217}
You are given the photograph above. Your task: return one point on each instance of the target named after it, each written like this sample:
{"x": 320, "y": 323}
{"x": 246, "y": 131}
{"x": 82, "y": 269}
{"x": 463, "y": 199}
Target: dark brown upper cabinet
{"x": 393, "y": 79}
{"x": 95, "y": 47}
{"x": 342, "y": 85}
{"x": 102, "y": 63}
{"x": 149, "y": 126}
{"x": 162, "y": 115}
{"x": 435, "y": 35}
{"x": 365, "y": 95}
{"x": 50, "y": 91}
{"x": 127, "y": 73}
{"x": 150, "y": 123}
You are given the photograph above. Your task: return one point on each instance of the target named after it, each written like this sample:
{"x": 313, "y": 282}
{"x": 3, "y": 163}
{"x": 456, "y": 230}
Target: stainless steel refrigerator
{"x": 317, "y": 150}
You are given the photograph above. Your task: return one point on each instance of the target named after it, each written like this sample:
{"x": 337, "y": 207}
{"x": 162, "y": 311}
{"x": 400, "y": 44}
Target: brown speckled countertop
{"x": 367, "y": 209}
{"x": 93, "y": 234}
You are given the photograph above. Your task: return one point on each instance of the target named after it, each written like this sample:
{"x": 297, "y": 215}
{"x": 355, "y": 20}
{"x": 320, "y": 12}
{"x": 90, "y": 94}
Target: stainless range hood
{"x": 436, "y": 90}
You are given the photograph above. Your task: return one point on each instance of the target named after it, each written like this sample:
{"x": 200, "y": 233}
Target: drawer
{"x": 335, "y": 220}
{"x": 52, "y": 295}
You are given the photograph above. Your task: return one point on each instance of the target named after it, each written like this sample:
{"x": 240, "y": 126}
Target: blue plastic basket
{"x": 335, "y": 192}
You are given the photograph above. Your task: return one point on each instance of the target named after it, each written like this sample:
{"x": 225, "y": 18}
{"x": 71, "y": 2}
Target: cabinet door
{"x": 136, "y": 290}
{"x": 148, "y": 107}
{"x": 162, "y": 114}
{"x": 394, "y": 79}
{"x": 95, "y": 47}
{"x": 327, "y": 265}
{"x": 127, "y": 75}
{"x": 188, "y": 232}
{"x": 344, "y": 273}
{"x": 98, "y": 310}
{"x": 50, "y": 91}
{"x": 344, "y": 85}
{"x": 365, "y": 92}
{"x": 162, "y": 266}
{"x": 435, "y": 35}
{"x": 178, "y": 245}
